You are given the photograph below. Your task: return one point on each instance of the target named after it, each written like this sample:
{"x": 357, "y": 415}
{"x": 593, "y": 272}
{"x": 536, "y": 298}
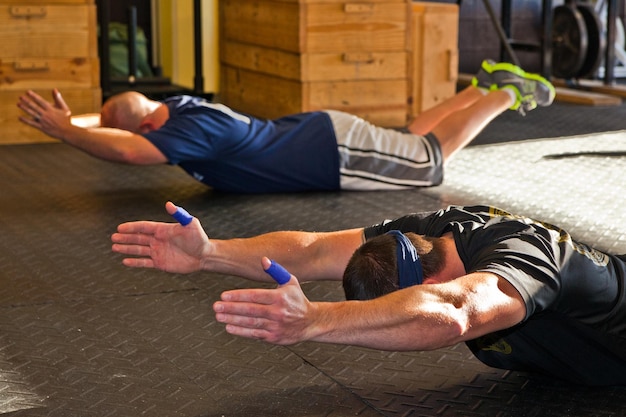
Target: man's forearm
{"x": 309, "y": 256}
{"x": 114, "y": 145}
{"x": 399, "y": 321}
{"x": 103, "y": 143}
{"x": 422, "y": 317}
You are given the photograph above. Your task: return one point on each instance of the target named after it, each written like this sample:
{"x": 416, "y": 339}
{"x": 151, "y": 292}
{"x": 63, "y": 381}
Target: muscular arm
{"x": 309, "y": 255}
{"x": 183, "y": 249}
{"x": 111, "y": 144}
{"x": 422, "y": 317}
{"x": 55, "y": 120}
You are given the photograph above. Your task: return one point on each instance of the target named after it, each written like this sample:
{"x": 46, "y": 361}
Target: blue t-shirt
{"x": 230, "y": 151}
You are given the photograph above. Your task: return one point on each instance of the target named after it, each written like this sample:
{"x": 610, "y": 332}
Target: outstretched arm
{"x": 421, "y": 317}
{"x": 55, "y": 120}
{"x": 182, "y": 249}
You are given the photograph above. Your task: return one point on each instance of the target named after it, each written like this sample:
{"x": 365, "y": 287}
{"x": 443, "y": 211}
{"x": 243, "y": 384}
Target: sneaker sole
{"x": 514, "y": 69}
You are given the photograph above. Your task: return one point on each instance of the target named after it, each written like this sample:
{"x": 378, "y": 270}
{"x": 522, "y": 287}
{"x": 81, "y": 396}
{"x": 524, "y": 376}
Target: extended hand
{"x": 170, "y": 247}
{"x": 51, "y": 118}
{"x": 281, "y": 316}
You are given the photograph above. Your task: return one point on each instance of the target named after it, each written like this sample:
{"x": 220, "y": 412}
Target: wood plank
{"x": 55, "y": 31}
{"x": 596, "y": 86}
{"x": 336, "y": 66}
{"x": 255, "y": 23}
{"x": 46, "y": 2}
{"x": 355, "y": 27}
{"x": 247, "y": 91}
{"x": 352, "y": 66}
{"x": 24, "y": 74}
{"x": 588, "y": 98}
{"x": 433, "y": 54}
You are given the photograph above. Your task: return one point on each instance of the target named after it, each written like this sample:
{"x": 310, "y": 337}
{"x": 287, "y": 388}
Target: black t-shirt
{"x": 575, "y": 296}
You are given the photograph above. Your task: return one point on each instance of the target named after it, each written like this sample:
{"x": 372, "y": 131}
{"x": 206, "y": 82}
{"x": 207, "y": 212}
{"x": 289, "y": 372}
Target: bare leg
{"x": 426, "y": 121}
{"x": 459, "y": 128}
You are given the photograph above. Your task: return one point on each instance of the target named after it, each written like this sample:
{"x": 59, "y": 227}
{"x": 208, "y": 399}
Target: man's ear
{"x": 155, "y": 120}
{"x": 147, "y": 125}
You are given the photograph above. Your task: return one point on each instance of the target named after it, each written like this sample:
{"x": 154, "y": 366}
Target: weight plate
{"x": 569, "y": 41}
{"x": 595, "y": 40}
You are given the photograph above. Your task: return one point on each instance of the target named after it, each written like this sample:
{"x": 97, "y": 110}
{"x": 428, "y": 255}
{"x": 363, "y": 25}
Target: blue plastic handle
{"x": 182, "y": 216}
{"x": 280, "y": 274}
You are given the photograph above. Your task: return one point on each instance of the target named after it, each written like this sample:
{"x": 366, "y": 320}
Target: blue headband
{"x": 410, "y": 270}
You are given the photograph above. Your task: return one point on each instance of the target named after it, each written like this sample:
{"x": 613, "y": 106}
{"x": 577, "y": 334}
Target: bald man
{"x": 314, "y": 151}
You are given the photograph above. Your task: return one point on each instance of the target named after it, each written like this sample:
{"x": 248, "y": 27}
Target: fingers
{"x": 29, "y": 121}
{"x": 144, "y": 227}
{"x": 136, "y": 245}
{"x": 30, "y": 107}
{"x": 251, "y": 333}
{"x": 132, "y": 248}
{"x": 170, "y": 208}
{"x": 138, "y": 262}
{"x": 133, "y": 238}
{"x": 269, "y": 315}
{"x": 59, "y": 101}
{"x": 37, "y": 102}
{"x": 36, "y": 107}
{"x": 247, "y": 308}
{"x": 248, "y": 319}
{"x": 258, "y": 296}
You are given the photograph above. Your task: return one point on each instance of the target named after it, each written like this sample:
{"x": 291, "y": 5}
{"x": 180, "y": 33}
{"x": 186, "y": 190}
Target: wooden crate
{"x": 317, "y": 26}
{"x": 45, "y": 45}
{"x": 48, "y": 31}
{"x": 281, "y": 57}
{"x": 434, "y": 64}
{"x": 386, "y": 61}
{"x": 12, "y": 131}
{"x": 381, "y": 101}
{"x": 45, "y": 2}
{"x": 344, "y": 66}
{"x": 23, "y": 74}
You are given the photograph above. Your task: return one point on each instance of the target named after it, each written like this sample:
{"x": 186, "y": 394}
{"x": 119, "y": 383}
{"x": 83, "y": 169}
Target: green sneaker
{"x": 483, "y": 78}
{"x": 531, "y": 90}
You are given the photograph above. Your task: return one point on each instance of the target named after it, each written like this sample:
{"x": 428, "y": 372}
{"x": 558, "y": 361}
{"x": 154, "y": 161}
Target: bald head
{"x": 127, "y": 111}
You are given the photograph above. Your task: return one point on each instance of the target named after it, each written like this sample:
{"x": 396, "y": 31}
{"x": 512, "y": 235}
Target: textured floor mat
{"x": 80, "y": 335}
{"x": 576, "y": 183}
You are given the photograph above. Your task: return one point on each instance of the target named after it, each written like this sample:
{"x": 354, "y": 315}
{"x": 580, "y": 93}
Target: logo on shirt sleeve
{"x": 493, "y": 343}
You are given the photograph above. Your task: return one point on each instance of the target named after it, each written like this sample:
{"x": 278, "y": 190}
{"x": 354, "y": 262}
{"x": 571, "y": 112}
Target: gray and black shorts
{"x": 376, "y": 158}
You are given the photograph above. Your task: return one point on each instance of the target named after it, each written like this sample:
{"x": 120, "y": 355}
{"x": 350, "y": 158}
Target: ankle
{"x": 512, "y": 94}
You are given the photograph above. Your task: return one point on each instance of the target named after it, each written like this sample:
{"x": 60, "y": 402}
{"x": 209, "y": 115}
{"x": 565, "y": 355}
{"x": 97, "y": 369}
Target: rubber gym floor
{"x": 82, "y": 335}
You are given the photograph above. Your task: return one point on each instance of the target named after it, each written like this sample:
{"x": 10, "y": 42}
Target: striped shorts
{"x": 375, "y": 158}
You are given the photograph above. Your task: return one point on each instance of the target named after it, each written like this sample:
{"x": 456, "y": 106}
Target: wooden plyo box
{"x": 433, "y": 44}
{"x": 46, "y": 44}
{"x": 286, "y": 56}
{"x": 282, "y": 57}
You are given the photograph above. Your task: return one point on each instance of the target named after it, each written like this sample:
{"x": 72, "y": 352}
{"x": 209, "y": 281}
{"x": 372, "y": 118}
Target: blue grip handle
{"x": 280, "y": 274}
{"x": 182, "y": 216}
